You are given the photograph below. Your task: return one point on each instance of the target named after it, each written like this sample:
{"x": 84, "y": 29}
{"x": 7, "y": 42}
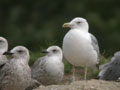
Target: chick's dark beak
{"x": 45, "y": 51}
{"x": 7, "y": 53}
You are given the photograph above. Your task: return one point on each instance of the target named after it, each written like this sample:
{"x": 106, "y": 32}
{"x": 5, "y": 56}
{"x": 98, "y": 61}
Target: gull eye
{"x": 78, "y": 22}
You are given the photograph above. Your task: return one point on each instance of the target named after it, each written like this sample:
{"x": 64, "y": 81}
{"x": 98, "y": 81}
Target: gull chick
{"x": 80, "y": 47}
{"x": 111, "y": 70}
{"x": 49, "y": 69}
{"x": 3, "y": 48}
{"x": 16, "y": 74}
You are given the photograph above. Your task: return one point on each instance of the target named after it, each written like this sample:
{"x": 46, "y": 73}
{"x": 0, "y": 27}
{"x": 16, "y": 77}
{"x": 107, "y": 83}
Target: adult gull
{"x": 111, "y": 70}
{"x": 80, "y": 47}
{"x": 49, "y": 69}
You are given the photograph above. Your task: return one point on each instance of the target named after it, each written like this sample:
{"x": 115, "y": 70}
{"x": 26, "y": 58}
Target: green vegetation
{"x": 68, "y": 66}
{"x": 35, "y": 23}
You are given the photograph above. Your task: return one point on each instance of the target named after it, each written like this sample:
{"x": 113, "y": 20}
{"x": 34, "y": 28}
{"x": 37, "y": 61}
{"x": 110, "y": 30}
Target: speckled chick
{"x": 16, "y": 74}
{"x": 49, "y": 69}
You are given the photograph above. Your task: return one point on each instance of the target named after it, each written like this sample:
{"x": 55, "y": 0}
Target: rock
{"x": 84, "y": 85}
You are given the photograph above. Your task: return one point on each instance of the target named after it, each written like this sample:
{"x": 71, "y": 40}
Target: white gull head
{"x": 77, "y": 23}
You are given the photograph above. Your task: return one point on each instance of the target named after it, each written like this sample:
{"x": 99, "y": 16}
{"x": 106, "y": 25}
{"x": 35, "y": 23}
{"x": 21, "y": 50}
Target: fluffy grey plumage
{"x": 3, "y": 48}
{"x": 16, "y": 74}
{"x": 50, "y": 68}
{"x": 111, "y": 70}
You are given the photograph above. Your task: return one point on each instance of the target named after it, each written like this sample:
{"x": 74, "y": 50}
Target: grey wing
{"x": 111, "y": 72}
{"x": 95, "y": 44}
{"x": 37, "y": 68}
{"x": 1, "y": 72}
{"x": 5, "y": 73}
{"x": 36, "y": 63}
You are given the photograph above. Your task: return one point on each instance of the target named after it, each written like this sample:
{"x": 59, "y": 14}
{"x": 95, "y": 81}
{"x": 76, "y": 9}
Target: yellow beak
{"x": 66, "y": 25}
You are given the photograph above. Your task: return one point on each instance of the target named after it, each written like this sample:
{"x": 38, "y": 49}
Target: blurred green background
{"x": 37, "y": 24}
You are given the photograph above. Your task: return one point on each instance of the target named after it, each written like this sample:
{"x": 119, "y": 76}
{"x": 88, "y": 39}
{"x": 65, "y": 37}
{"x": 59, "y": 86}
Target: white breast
{"x": 78, "y": 50}
{"x": 54, "y": 66}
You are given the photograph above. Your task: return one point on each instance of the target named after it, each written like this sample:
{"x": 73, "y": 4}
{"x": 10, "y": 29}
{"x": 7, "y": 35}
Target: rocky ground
{"x": 83, "y": 85}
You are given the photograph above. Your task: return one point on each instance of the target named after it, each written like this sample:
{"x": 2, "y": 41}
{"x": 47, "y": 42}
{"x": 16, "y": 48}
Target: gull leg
{"x": 73, "y": 77}
{"x": 85, "y": 77}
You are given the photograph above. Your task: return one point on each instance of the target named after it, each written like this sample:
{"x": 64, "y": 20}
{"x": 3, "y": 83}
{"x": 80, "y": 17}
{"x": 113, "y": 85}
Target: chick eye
{"x": 78, "y": 22}
{"x": 54, "y": 50}
{"x": 20, "y": 51}
{"x": 1, "y": 41}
